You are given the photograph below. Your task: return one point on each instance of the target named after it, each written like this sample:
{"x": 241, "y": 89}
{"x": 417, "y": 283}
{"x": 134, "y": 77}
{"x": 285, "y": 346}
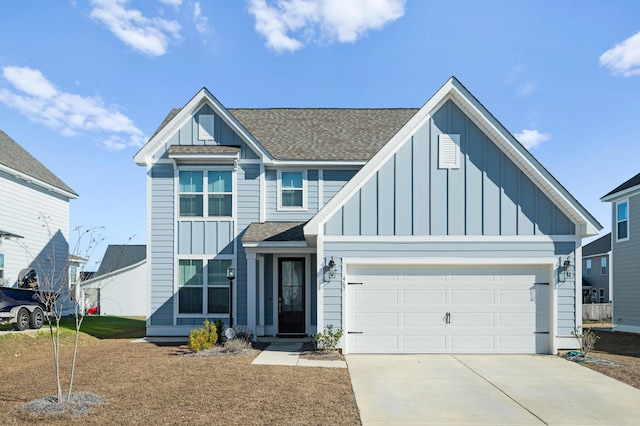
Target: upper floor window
{"x": 588, "y": 267}
{"x": 601, "y": 295}
{"x": 603, "y": 266}
{"x": 622, "y": 220}
{"x": 292, "y": 190}
{"x": 216, "y": 185}
{"x": 1, "y": 269}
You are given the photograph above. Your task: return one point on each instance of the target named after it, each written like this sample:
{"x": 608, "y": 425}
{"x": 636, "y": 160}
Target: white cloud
{"x": 623, "y": 58}
{"x": 174, "y": 3}
{"x": 150, "y": 36}
{"x": 285, "y": 22}
{"x": 531, "y": 138}
{"x": 202, "y": 24}
{"x": 41, "y": 101}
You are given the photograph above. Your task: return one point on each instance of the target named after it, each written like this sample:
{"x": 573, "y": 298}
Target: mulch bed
{"x": 143, "y": 383}
{"x": 309, "y": 351}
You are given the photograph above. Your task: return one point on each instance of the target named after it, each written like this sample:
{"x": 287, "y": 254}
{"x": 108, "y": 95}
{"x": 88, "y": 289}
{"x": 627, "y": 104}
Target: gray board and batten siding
{"x": 487, "y": 195}
{"x": 626, "y": 267}
{"x": 411, "y": 196}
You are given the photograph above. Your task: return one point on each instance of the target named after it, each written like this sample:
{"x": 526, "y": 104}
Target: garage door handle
{"x": 447, "y": 318}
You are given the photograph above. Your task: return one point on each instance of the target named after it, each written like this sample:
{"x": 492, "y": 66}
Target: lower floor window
{"x": 203, "y": 280}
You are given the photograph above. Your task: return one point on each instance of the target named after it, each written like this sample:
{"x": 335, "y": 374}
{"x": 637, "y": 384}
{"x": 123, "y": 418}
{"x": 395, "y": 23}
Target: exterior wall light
{"x": 332, "y": 268}
{"x": 568, "y": 268}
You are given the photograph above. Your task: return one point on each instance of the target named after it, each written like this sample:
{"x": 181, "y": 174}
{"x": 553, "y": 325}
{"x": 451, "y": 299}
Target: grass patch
{"x": 108, "y": 327}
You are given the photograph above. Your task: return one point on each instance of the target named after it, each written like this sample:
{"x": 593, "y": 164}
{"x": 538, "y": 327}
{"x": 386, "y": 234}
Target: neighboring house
{"x": 625, "y": 254}
{"x": 414, "y": 230}
{"x": 596, "y": 281}
{"x": 120, "y": 286}
{"x": 34, "y": 217}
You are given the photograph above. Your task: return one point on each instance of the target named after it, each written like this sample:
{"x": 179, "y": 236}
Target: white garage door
{"x": 493, "y": 309}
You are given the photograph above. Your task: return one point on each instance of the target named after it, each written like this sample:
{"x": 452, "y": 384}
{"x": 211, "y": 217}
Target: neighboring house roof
{"x": 626, "y": 187}
{"x": 455, "y": 91}
{"x": 340, "y": 134}
{"x": 118, "y": 257}
{"x": 16, "y": 158}
{"x": 274, "y": 231}
{"x": 7, "y": 234}
{"x": 600, "y": 246}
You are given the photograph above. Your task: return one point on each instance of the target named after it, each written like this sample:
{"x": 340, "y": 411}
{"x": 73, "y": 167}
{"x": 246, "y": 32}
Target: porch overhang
{"x": 218, "y": 154}
{"x": 274, "y": 236}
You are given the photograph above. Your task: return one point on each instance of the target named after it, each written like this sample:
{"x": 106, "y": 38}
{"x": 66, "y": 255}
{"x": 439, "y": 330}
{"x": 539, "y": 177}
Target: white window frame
{"x": 205, "y": 191}
{"x": 280, "y": 207}
{"x": 618, "y": 221}
{"x": 588, "y": 268}
{"x": 205, "y": 286}
{"x": 603, "y": 266}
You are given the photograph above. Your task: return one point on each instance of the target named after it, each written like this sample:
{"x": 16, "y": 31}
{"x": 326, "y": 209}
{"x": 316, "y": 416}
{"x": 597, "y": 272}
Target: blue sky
{"x": 83, "y": 84}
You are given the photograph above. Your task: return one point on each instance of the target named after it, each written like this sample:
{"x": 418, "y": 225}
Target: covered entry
{"x": 447, "y": 309}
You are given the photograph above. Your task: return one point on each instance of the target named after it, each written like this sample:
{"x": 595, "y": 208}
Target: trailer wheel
{"x": 36, "y": 319}
{"x": 22, "y": 319}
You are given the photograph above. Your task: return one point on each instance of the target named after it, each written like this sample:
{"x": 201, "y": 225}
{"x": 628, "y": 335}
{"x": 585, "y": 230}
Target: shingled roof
{"x": 600, "y": 246}
{"x": 634, "y": 181}
{"x": 319, "y": 133}
{"x": 274, "y": 231}
{"x": 323, "y": 133}
{"x": 119, "y": 256}
{"x": 17, "y": 158}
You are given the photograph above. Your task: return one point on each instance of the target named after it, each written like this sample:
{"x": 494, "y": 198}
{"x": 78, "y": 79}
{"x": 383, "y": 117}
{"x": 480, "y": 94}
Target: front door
{"x": 291, "y": 313}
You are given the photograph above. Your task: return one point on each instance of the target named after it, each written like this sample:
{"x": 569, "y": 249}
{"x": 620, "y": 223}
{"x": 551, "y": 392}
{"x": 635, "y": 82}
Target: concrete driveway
{"x": 487, "y": 389}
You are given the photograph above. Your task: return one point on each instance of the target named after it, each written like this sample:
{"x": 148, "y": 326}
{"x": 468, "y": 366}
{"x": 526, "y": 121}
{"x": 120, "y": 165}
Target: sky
{"x": 85, "y": 83}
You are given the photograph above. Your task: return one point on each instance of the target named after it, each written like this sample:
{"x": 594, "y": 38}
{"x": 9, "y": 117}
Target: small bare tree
{"x": 54, "y": 289}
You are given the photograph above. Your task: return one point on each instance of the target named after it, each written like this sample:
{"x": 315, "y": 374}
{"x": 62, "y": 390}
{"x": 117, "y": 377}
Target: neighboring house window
{"x": 190, "y": 286}
{"x": 218, "y": 287}
{"x": 601, "y": 295}
{"x": 291, "y": 191}
{"x": 73, "y": 274}
{"x": 200, "y": 292}
{"x": 1, "y": 269}
{"x": 622, "y": 220}
{"x": 603, "y": 266}
{"x": 589, "y": 267}
{"x": 190, "y": 189}
{"x": 220, "y": 193}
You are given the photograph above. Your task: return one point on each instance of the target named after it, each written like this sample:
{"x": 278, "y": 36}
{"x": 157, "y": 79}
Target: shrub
{"x": 203, "y": 338}
{"x": 244, "y": 333}
{"x": 328, "y": 339}
{"x": 219, "y": 327}
{"x": 586, "y": 338}
{"x": 237, "y": 345}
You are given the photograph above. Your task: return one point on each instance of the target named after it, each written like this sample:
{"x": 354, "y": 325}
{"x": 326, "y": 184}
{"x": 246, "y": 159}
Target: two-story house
{"x": 625, "y": 254}
{"x": 415, "y": 230}
{"x": 596, "y": 280}
{"x": 34, "y": 217}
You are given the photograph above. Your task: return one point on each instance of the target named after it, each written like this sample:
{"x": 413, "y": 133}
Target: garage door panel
{"x": 490, "y": 309}
{"x": 472, "y": 297}
{"x": 423, "y": 297}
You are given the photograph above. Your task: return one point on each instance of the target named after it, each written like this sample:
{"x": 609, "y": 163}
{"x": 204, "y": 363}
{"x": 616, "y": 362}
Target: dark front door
{"x": 291, "y": 295}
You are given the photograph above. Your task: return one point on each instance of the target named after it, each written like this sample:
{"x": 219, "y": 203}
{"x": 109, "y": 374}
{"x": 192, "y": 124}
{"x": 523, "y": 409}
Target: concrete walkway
{"x": 487, "y": 389}
{"x": 289, "y": 354}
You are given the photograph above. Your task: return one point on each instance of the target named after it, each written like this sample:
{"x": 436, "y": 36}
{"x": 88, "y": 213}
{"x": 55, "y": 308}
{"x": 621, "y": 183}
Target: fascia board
{"x": 316, "y": 163}
{"x": 203, "y": 96}
{"x": 312, "y": 228}
{"x": 111, "y": 274}
{"x": 626, "y": 193}
{"x": 30, "y": 179}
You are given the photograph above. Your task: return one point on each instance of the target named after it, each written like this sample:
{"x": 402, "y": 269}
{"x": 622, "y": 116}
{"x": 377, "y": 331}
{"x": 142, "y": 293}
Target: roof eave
{"x": 621, "y": 194}
{"x": 44, "y": 185}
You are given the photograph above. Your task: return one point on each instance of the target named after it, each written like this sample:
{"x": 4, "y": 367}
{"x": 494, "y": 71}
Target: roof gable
{"x": 453, "y": 90}
{"x": 15, "y": 158}
{"x": 600, "y": 246}
{"x": 179, "y": 117}
{"x": 119, "y": 256}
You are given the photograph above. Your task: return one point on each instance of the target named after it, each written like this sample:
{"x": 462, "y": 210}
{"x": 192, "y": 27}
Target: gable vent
{"x": 449, "y": 151}
{"x": 205, "y": 127}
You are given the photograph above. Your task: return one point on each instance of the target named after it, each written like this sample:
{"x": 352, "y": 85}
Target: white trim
{"x": 100, "y": 278}
{"x": 616, "y": 220}
{"x": 621, "y": 194}
{"x": 260, "y": 328}
{"x": 145, "y": 155}
{"x": 596, "y": 255}
{"x": 279, "y": 250}
{"x": 577, "y": 284}
{"x": 276, "y": 244}
{"x": 311, "y": 164}
{"x": 149, "y": 282}
{"x": 251, "y": 292}
{"x": 449, "y": 238}
{"x": 263, "y": 194}
{"x": 452, "y": 89}
{"x": 205, "y": 169}
{"x": 305, "y": 192}
{"x": 35, "y": 181}
{"x": 249, "y": 161}
{"x": 208, "y": 159}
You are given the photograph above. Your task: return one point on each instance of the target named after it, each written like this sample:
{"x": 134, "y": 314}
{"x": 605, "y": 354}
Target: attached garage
{"x": 447, "y": 309}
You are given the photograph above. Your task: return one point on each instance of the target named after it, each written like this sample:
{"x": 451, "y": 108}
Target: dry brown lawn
{"x": 624, "y": 350}
{"x": 148, "y": 384}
